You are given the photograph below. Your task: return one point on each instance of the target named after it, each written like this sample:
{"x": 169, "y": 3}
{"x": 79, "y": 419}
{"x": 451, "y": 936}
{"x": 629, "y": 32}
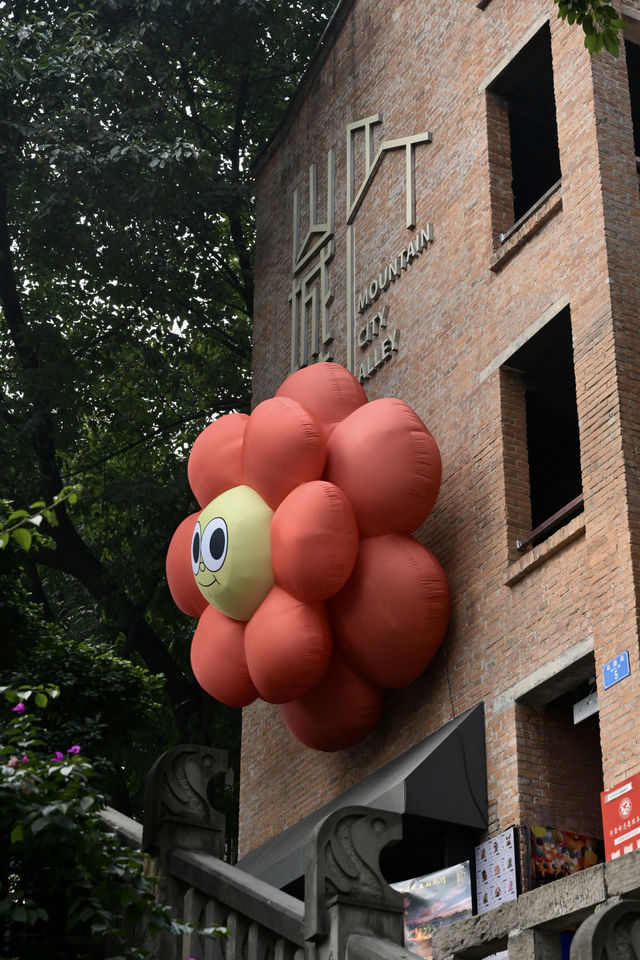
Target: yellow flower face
{"x": 231, "y": 552}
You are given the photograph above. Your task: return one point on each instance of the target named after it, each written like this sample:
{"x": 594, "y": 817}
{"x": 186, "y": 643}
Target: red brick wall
{"x": 559, "y": 770}
{"x": 423, "y": 66}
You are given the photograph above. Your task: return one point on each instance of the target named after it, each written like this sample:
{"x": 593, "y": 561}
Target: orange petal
{"x": 338, "y": 713}
{"x": 284, "y": 445}
{"x": 218, "y": 660}
{"x": 327, "y": 389}
{"x": 314, "y": 541}
{"x": 391, "y": 617}
{"x": 288, "y": 646}
{"x": 215, "y": 462}
{"x": 388, "y": 464}
{"x": 182, "y": 584}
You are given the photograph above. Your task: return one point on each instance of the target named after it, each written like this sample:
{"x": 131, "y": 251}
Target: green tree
{"x": 126, "y": 136}
{"x": 68, "y": 889}
{"x": 600, "y": 22}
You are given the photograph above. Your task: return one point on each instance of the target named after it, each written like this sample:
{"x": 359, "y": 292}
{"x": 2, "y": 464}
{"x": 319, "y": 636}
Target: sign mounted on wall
{"x": 621, "y": 817}
{"x": 497, "y": 873}
{"x": 312, "y": 293}
{"x": 433, "y": 901}
{"x": 554, "y": 853}
{"x": 615, "y": 670}
{"x": 308, "y": 588}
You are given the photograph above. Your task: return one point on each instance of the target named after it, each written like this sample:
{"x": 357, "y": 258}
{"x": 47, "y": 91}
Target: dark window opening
{"x": 542, "y": 371}
{"x": 632, "y": 51}
{"x": 562, "y": 789}
{"x": 525, "y": 89}
{"x": 559, "y": 753}
{"x": 427, "y": 846}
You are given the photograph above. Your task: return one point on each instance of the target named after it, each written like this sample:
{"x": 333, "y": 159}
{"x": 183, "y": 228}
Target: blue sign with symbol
{"x": 615, "y": 670}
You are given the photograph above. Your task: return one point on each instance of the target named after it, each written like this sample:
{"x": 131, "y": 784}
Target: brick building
{"x": 450, "y": 208}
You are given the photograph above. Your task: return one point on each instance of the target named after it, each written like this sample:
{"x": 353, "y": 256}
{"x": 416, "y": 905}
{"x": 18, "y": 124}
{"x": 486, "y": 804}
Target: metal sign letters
{"x": 375, "y": 341}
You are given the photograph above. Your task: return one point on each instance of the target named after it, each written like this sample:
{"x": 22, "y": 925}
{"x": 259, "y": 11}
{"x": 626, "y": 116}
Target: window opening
{"x": 559, "y": 753}
{"x": 522, "y": 120}
{"x": 539, "y": 385}
{"x": 632, "y": 51}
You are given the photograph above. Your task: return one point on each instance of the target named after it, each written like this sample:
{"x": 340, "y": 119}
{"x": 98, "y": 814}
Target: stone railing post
{"x": 178, "y": 814}
{"x": 345, "y": 891}
{"x": 609, "y": 934}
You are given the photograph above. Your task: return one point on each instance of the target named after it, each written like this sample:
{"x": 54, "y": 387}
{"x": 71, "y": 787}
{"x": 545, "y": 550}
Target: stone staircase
{"x": 349, "y": 911}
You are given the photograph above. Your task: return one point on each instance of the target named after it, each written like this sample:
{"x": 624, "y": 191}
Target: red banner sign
{"x": 621, "y": 817}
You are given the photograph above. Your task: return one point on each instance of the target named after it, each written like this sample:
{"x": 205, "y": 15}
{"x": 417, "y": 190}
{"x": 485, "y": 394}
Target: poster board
{"x": 557, "y": 853}
{"x": 497, "y": 873}
{"x": 433, "y": 900}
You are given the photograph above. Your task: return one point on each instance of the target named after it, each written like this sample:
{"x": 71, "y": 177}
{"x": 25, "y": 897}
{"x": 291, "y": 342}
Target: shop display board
{"x": 557, "y": 853}
{"x": 497, "y": 873}
{"x": 621, "y": 817}
{"x": 432, "y": 901}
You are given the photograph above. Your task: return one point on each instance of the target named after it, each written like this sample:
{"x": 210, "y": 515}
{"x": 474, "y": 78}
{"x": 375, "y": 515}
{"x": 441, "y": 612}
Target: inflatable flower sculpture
{"x": 308, "y": 588}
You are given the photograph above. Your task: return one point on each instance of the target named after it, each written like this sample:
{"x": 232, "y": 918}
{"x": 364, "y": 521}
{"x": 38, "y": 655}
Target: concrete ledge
{"x": 477, "y": 936}
{"x": 547, "y": 682}
{"x": 535, "y": 221}
{"x": 524, "y": 336}
{"x": 622, "y": 876}
{"x": 554, "y": 907}
{"x": 563, "y": 902}
{"x": 538, "y": 555}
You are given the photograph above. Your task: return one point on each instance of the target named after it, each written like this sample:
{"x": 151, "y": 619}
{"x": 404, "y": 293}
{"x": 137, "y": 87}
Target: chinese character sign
{"x": 621, "y": 817}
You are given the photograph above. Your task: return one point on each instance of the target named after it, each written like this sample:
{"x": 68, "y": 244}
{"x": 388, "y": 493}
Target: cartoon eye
{"x": 214, "y": 544}
{"x": 195, "y": 549}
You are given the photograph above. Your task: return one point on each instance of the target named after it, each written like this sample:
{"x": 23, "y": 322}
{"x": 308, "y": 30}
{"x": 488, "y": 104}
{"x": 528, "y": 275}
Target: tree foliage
{"x": 600, "y": 22}
{"x": 68, "y": 889}
{"x": 126, "y": 135}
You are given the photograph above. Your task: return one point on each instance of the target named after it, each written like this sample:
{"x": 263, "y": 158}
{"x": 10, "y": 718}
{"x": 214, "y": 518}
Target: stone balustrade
{"x": 350, "y": 912}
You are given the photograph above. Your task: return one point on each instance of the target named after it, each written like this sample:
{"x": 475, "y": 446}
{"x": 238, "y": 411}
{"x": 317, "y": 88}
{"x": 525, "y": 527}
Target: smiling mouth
{"x": 208, "y": 584}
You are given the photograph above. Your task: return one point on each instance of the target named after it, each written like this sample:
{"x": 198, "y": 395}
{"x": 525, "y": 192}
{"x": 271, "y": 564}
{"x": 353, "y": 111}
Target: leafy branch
{"x": 98, "y": 891}
{"x": 600, "y": 21}
{"x": 15, "y": 525}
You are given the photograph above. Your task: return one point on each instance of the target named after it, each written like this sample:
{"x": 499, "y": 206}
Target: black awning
{"x": 442, "y": 778}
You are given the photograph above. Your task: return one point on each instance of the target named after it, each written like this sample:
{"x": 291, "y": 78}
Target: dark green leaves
{"x": 127, "y": 133}
{"x": 600, "y": 22}
{"x": 16, "y": 524}
{"x": 70, "y": 882}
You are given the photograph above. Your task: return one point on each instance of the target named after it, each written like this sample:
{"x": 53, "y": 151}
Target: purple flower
{"x": 24, "y": 758}
{"x": 57, "y": 757}
{"x": 74, "y": 749}
{"x": 19, "y": 708}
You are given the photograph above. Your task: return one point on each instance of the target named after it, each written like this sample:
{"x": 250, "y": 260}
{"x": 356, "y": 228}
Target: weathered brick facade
{"x": 463, "y": 305}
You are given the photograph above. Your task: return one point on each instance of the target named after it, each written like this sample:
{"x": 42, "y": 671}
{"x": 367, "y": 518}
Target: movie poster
{"x": 560, "y": 853}
{"x": 432, "y": 901}
{"x": 497, "y": 870}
